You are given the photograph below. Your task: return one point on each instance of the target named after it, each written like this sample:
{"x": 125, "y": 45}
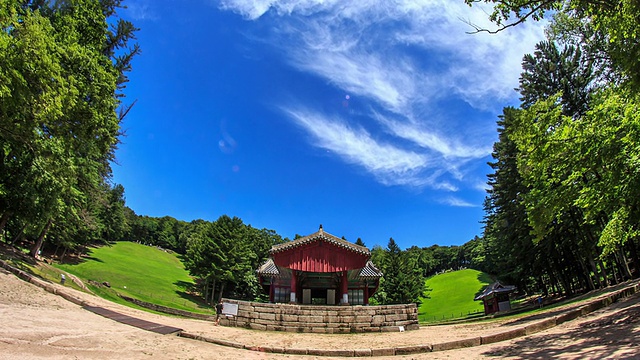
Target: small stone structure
{"x": 322, "y": 319}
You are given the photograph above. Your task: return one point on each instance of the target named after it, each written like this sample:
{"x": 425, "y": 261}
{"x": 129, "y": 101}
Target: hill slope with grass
{"x": 142, "y": 272}
{"x": 451, "y": 295}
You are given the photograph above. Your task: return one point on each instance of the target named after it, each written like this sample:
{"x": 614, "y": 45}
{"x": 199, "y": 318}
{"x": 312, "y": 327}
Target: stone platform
{"x": 323, "y": 319}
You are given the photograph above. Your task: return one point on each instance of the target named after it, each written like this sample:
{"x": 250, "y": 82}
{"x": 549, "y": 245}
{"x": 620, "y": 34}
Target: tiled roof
{"x": 495, "y": 288}
{"x": 321, "y": 236}
{"x": 270, "y": 269}
{"x": 370, "y": 271}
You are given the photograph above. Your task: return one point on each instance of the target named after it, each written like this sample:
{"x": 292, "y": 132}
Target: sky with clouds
{"x": 373, "y": 118}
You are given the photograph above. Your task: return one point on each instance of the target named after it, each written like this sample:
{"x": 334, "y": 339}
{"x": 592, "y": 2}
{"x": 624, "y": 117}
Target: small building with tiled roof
{"x": 319, "y": 269}
{"x": 495, "y": 297}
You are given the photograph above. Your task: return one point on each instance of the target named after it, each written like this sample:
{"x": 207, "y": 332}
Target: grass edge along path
{"x": 451, "y": 295}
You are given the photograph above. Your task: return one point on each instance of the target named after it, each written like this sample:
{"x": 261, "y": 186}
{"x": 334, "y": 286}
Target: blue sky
{"x": 373, "y": 118}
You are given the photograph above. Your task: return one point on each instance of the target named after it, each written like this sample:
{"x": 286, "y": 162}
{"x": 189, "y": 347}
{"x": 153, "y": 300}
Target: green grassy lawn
{"x": 139, "y": 271}
{"x": 452, "y": 294}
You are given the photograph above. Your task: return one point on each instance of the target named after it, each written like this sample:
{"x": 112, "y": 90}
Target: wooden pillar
{"x": 345, "y": 288}
{"x": 366, "y": 293}
{"x": 294, "y": 284}
{"x": 271, "y": 291}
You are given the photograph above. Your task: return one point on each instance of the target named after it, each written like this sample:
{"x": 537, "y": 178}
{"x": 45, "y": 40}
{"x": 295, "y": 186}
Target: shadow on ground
{"x": 187, "y": 293}
{"x": 601, "y": 338}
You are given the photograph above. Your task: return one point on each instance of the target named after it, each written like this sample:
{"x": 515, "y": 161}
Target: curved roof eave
{"x": 320, "y": 235}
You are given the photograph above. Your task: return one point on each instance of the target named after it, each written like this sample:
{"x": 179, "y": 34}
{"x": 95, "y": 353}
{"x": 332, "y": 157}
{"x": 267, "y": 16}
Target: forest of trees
{"x": 63, "y": 70}
{"x": 562, "y": 211}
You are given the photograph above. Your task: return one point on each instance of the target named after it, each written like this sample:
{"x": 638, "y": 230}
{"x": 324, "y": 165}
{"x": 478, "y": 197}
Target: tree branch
{"x": 542, "y": 5}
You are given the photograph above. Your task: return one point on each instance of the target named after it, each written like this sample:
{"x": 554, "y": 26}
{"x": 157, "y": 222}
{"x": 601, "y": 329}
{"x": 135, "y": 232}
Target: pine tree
{"x": 403, "y": 281}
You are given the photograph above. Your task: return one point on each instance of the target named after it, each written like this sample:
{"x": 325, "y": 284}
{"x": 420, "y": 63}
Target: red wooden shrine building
{"x": 319, "y": 269}
{"x": 495, "y": 297}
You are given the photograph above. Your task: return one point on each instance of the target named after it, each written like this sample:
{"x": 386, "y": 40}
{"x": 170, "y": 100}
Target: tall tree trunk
{"x": 586, "y": 237}
{"x": 580, "y": 279}
{"x": 564, "y": 279}
{"x": 64, "y": 252}
{"x": 601, "y": 275}
{"x": 38, "y": 245}
{"x": 614, "y": 273}
{"x": 603, "y": 270}
{"x": 3, "y": 220}
{"x": 634, "y": 256}
{"x": 623, "y": 264}
{"x": 222, "y": 290}
{"x": 542, "y": 286}
{"x": 566, "y": 284}
{"x": 553, "y": 280}
{"x": 205, "y": 294}
{"x": 213, "y": 291}
{"x": 594, "y": 269}
{"x": 587, "y": 275}
{"x": 19, "y": 234}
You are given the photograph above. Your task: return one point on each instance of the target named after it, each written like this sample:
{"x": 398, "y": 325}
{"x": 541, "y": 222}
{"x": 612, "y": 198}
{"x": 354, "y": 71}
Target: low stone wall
{"x": 323, "y": 319}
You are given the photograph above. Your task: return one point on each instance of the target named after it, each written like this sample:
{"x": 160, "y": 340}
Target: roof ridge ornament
{"x": 320, "y": 235}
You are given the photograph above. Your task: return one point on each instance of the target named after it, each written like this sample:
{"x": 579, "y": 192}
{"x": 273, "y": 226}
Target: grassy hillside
{"x": 138, "y": 271}
{"x": 452, "y": 294}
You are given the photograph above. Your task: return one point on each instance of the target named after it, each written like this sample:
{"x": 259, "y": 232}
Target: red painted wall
{"x": 320, "y": 256}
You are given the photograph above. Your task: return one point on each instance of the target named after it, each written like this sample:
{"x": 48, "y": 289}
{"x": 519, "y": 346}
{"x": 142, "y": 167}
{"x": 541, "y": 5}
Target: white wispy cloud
{"x": 392, "y": 165}
{"x": 447, "y": 147}
{"x": 454, "y": 201}
{"x": 364, "y": 74}
{"x": 249, "y": 9}
{"x": 481, "y": 185}
{"x": 405, "y": 57}
{"x": 141, "y": 10}
{"x": 483, "y": 67}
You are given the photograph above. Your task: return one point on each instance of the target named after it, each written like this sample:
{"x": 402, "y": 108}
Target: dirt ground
{"x": 35, "y": 324}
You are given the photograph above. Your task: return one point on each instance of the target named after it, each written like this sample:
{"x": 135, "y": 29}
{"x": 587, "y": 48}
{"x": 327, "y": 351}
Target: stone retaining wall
{"x": 323, "y": 319}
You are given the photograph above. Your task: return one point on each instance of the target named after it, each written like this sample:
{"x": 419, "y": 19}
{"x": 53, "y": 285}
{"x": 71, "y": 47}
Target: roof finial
{"x": 321, "y": 228}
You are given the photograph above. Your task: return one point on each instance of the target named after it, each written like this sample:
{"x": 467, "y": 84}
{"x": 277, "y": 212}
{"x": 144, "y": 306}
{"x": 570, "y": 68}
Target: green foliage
{"x": 59, "y": 125}
{"x": 584, "y": 163}
{"x": 567, "y": 160}
{"x": 476, "y": 252}
{"x": 224, "y": 255}
{"x": 616, "y": 21}
{"x": 403, "y": 281}
{"x": 377, "y": 257}
{"x": 616, "y": 232}
{"x": 550, "y": 71}
{"x": 451, "y": 295}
